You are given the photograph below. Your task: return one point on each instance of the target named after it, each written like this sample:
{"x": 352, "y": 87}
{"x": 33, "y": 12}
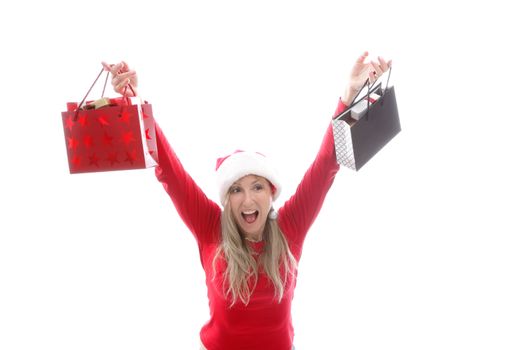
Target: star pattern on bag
{"x": 131, "y": 157}
{"x": 69, "y": 123}
{"x": 82, "y": 120}
{"x": 109, "y": 139}
{"x": 103, "y": 120}
{"x": 72, "y": 143}
{"x": 88, "y": 141}
{"x": 127, "y": 137}
{"x": 93, "y": 160}
{"x": 112, "y": 158}
{"x": 144, "y": 114}
{"x": 76, "y": 160}
{"x": 124, "y": 116}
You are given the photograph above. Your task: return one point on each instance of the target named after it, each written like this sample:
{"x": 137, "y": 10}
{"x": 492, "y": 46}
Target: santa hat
{"x": 241, "y": 163}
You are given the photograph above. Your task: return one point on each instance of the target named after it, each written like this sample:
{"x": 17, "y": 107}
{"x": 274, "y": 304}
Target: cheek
{"x": 267, "y": 201}
{"x": 233, "y": 200}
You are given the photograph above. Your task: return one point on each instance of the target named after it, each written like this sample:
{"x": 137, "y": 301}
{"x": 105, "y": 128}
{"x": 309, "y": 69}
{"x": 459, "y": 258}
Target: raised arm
{"x": 199, "y": 213}
{"x": 300, "y": 211}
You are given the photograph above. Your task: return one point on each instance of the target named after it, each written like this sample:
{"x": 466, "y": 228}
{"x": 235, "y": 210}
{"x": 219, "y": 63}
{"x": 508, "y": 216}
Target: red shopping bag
{"x": 109, "y": 134}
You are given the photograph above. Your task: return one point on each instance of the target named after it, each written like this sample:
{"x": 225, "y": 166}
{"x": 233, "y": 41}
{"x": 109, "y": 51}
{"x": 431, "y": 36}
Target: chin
{"x": 252, "y": 229}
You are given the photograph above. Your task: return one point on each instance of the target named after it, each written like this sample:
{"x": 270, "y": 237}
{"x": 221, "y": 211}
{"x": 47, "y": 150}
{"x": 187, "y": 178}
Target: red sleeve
{"x": 340, "y": 108}
{"x": 299, "y": 212}
{"x": 200, "y": 214}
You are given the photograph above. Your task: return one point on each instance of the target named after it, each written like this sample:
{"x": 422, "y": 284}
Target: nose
{"x": 247, "y": 199}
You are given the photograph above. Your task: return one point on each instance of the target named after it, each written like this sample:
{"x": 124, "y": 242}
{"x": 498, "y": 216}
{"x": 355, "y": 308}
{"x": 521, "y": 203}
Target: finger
{"x": 120, "y": 87}
{"x": 116, "y": 80}
{"x": 116, "y": 77}
{"x": 377, "y": 68}
{"x": 372, "y": 76}
{"x": 123, "y": 76}
{"x": 390, "y": 64}
{"x": 362, "y": 58}
{"x": 118, "y": 83}
{"x": 125, "y": 67}
{"x": 383, "y": 64}
{"x": 127, "y": 74}
{"x": 107, "y": 67}
{"x": 113, "y": 68}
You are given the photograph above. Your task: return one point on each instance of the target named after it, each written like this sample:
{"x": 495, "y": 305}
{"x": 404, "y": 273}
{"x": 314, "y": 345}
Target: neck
{"x": 255, "y": 239}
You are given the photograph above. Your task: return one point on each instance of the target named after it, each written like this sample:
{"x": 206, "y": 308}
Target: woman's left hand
{"x": 360, "y": 72}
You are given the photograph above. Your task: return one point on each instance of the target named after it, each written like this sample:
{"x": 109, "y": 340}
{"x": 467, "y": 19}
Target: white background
{"x": 421, "y": 249}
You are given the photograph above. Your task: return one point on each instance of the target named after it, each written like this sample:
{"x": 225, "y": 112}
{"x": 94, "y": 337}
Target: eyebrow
{"x": 258, "y": 178}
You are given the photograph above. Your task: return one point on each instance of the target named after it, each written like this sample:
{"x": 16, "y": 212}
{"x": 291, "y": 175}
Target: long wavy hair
{"x": 242, "y": 268}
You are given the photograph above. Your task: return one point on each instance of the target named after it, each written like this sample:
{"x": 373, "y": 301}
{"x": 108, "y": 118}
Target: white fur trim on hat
{"x": 240, "y": 164}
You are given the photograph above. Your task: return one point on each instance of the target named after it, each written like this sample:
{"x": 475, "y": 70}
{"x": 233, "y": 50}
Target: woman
{"x": 248, "y": 250}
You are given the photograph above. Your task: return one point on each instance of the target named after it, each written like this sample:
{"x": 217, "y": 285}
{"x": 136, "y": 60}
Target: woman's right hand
{"x": 121, "y": 76}
{"x": 361, "y": 71}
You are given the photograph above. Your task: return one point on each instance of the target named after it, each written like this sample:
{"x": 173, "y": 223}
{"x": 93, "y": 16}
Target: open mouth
{"x": 250, "y": 216}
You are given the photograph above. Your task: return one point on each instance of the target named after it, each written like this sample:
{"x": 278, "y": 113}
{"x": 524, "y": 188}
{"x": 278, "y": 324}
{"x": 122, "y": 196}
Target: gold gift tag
{"x": 102, "y": 102}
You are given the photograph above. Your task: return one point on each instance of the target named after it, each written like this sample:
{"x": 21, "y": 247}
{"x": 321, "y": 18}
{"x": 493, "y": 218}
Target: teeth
{"x": 249, "y": 212}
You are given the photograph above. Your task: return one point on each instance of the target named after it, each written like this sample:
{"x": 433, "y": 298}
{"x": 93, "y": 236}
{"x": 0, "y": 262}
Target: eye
{"x": 235, "y": 189}
{"x": 258, "y": 187}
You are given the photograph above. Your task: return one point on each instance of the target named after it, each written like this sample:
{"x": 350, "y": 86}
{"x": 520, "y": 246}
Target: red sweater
{"x": 264, "y": 323}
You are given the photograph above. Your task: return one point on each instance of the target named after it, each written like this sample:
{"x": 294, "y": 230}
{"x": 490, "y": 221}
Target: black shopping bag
{"x": 366, "y": 126}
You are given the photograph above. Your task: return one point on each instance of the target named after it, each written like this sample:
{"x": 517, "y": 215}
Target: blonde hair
{"x": 241, "y": 266}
